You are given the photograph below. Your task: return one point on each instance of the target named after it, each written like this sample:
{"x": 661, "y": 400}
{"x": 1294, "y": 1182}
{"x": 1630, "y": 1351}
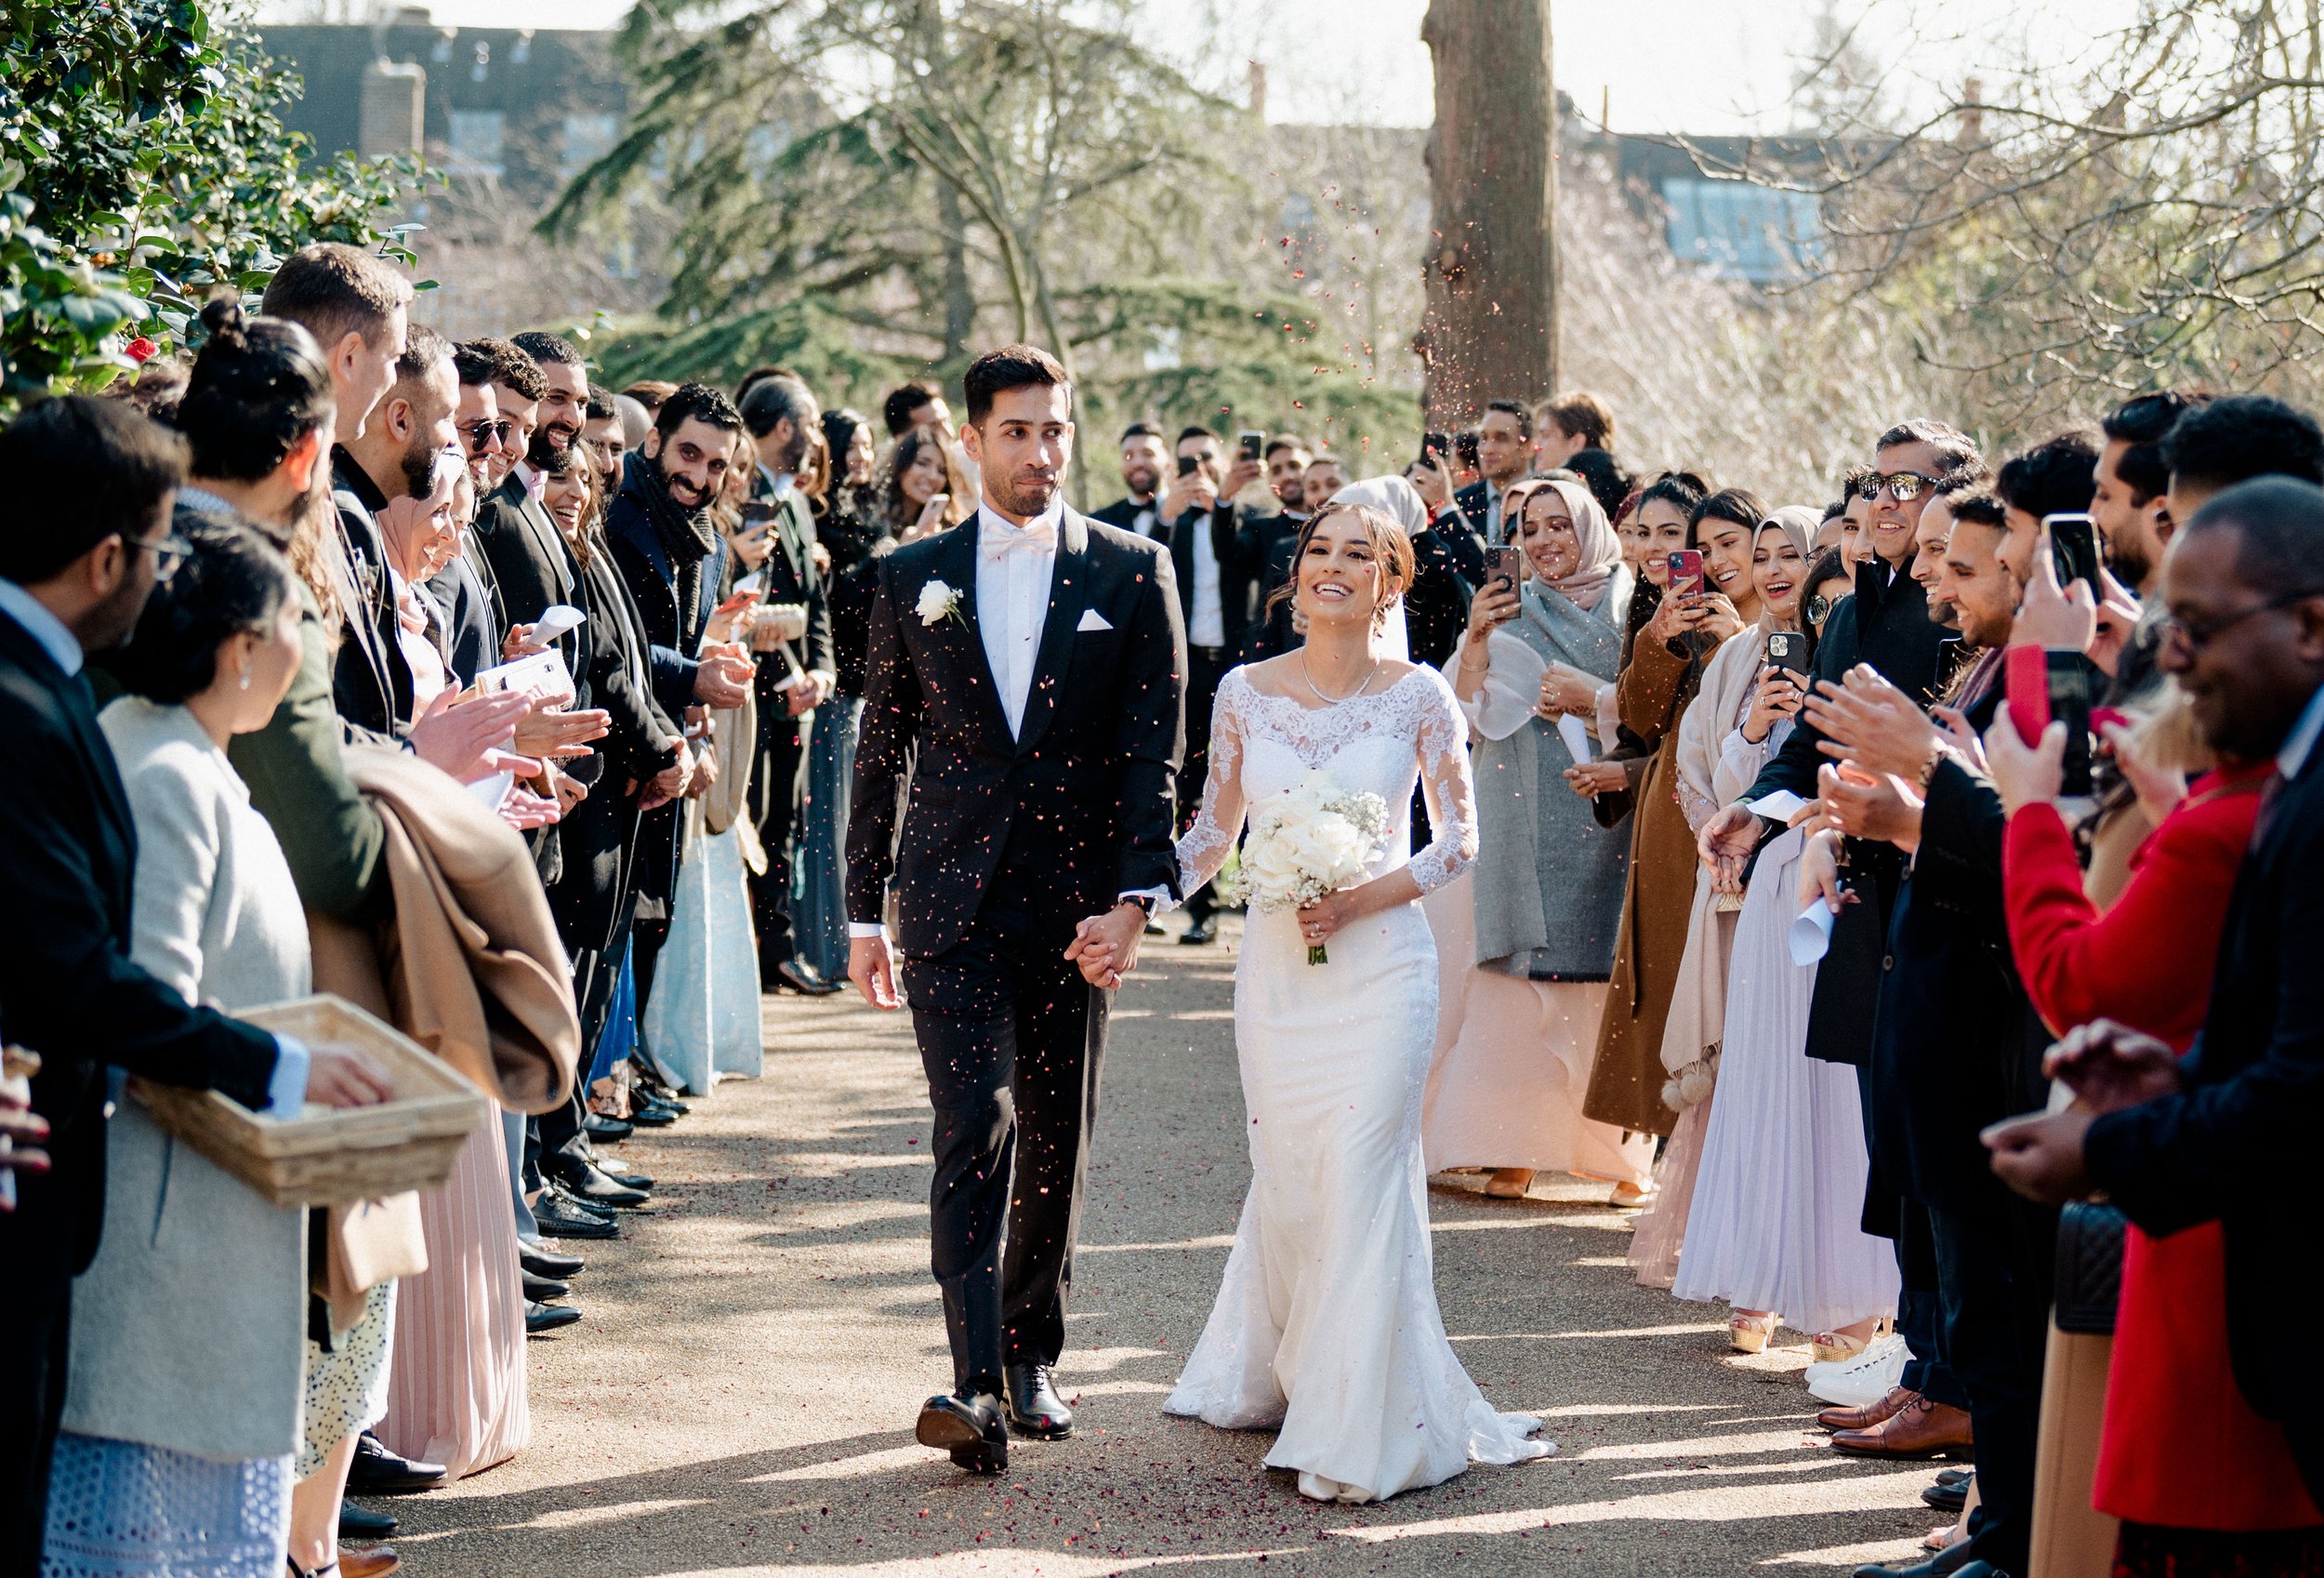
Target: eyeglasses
{"x": 480, "y": 435}
{"x": 2200, "y": 633}
{"x": 1903, "y": 486}
{"x": 169, "y": 550}
{"x": 1818, "y": 608}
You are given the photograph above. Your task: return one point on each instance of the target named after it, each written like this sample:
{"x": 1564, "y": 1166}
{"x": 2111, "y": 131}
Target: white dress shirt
{"x": 1014, "y": 566}
{"x": 1206, "y": 622}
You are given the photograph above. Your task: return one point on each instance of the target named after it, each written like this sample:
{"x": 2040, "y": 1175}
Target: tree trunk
{"x": 960, "y": 294}
{"x": 1490, "y": 331}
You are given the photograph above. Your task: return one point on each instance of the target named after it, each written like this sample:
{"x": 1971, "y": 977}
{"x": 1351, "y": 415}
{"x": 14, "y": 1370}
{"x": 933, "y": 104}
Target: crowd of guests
{"x": 1854, "y": 874}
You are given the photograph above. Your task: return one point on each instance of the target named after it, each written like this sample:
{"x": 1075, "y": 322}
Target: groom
{"x": 1027, "y": 677}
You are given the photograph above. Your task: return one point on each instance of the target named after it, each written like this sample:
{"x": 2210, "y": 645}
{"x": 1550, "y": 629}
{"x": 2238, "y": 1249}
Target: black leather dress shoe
{"x": 628, "y": 1180}
{"x": 1206, "y": 930}
{"x": 587, "y": 1182}
{"x": 798, "y": 975}
{"x": 549, "y": 1262}
{"x": 379, "y": 1472}
{"x": 1953, "y": 1561}
{"x": 360, "y": 1523}
{"x": 650, "y": 1115}
{"x": 540, "y": 1289}
{"x": 1947, "y": 1497}
{"x": 540, "y": 1318}
{"x": 1034, "y": 1409}
{"x": 605, "y": 1131}
{"x": 970, "y": 1426}
{"x": 558, "y": 1218}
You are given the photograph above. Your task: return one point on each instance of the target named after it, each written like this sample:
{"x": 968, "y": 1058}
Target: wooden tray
{"x": 344, "y": 1154}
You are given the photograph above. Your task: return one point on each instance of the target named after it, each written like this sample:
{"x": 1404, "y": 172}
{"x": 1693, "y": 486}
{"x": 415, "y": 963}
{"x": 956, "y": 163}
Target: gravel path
{"x": 740, "y": 1395}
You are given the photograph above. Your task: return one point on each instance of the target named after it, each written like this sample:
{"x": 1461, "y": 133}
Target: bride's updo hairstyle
{"x": 1390, "y": 548}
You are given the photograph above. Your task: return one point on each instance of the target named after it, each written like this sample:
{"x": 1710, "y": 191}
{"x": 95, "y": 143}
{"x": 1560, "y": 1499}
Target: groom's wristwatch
{"x": 1142, "y": 900}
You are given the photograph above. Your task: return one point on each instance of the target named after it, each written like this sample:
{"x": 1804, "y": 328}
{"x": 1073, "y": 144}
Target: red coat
{"x": 2181, "y": 1448}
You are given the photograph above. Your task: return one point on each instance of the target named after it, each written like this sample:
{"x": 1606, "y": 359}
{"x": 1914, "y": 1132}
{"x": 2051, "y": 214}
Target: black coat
{"x": 528, "y": 564}
{"x": 1268, "y": 542}
{"x": 1464, "y": 536}
{"x": 1086, "y": 795}
{"x": 1887, "y": 624}
{"x": 68, "y": 990}
{"x": 1956, "y": 1044}
{"x": 371, "y": 683}
{"x": 2234, "y": 1146}
{"x": 791, "y": 577}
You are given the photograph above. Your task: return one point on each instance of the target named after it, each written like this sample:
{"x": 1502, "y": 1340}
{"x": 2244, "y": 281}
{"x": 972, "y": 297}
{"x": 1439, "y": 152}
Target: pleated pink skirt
{"x": 455, "y": 1390}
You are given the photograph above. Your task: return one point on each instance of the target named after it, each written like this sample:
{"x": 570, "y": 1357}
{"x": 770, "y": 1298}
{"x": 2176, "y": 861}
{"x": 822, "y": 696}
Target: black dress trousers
{"x": 1011, "y": 1038}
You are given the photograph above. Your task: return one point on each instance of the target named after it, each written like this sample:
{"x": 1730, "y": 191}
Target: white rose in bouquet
{"x": 1309, "y": 841}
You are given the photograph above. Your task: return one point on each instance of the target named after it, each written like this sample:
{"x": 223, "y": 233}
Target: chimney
{"x": 1972, "y": 133}
{"x": 392, "y": 118}
{"x": 1259, "y": 89}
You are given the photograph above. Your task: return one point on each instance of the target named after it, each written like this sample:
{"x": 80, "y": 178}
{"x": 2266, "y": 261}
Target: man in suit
{"x": 95, "y": 484}
{"x": 659, "y": 535}
{"x": 1887, "y": 624}
{"x": 1025, "y": 673}
{"x": 1268, "y": 538}
{"x": 1506, "y": 453}
{"x": 1139, "y": 511}
{"x": 2227, "y": 1132}
{"x": 796, "y": 676}
{"x": 1955, "y": 1044}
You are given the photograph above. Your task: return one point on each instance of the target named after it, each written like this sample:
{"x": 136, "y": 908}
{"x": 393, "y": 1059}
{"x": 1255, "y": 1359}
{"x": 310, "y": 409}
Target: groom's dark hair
{"x": 1013, "y": 366}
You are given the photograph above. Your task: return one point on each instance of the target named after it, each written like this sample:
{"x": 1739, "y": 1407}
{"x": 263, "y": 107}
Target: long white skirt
{"x": 1781, "y": 1191}
{"x": 1327, "y": 1324}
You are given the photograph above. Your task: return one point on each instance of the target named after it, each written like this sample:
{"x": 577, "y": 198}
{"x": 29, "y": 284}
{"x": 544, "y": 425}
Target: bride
{"x": 1326, "y": 1326}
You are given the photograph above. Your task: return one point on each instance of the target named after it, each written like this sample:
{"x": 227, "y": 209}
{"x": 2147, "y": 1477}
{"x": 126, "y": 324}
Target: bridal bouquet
{"x": 1308, "y": 843}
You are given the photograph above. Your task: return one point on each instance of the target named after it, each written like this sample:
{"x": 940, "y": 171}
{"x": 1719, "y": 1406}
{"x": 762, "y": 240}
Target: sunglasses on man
{"x": 481, "y": 436}
{"x": 1902, "y": 486}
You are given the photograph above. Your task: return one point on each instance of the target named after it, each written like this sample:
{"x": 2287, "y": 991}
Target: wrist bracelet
{"x": 1937, "y": 754}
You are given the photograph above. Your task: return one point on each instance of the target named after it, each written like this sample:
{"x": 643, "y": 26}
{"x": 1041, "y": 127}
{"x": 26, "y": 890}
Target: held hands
{"x": 1565, "y": 690}
{"x": 670, "y": 782}
{"x": 871, "y": 964}
{"x": 1105, "y": 946}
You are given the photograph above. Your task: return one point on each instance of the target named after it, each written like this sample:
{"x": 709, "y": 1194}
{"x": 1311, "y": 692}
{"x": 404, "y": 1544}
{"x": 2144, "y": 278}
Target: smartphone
{"x": 756, "y": 512}
{"x": 2025, "y": 687}
{"x": 1465, "y": 450}
{"x": 1435, "y": 446}
{"x": 2073, "y": 550}
{"x": 2069, "y": 688}
{"x": 1686, "y": 572}
{"x": 1253, "y": 444}
{"x": 1788, "y": 650}
{"x": 1186, "y": 465}
{"x": 1508, "y": 565}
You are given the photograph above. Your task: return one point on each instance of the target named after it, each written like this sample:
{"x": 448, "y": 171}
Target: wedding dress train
{"x": 1326, "y": 1325}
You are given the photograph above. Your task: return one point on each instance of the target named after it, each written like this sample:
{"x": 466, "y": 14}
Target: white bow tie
{"x": 997, "y": 541}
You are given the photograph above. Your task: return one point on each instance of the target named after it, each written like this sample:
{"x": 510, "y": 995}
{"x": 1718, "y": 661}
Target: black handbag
{"x": 2089, "y": 1266}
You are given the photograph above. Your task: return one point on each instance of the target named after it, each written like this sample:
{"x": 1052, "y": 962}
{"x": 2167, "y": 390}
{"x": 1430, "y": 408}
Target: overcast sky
{"x": 1702, "y": 66}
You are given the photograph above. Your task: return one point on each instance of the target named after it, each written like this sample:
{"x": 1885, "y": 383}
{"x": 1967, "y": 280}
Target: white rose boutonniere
{"x": 938, "y": 603}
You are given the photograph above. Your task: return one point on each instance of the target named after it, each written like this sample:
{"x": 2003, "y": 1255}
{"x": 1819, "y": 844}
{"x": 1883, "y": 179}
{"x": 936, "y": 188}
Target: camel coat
{"x": 1655, "y": 691}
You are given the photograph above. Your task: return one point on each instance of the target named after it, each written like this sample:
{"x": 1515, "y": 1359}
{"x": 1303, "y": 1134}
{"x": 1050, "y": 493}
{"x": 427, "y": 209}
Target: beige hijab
{"x": 1601, "y": 549}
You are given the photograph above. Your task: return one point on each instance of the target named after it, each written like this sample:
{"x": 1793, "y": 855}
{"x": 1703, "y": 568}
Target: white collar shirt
{"x": 1206, "y": 620}
{"x": 53, "y": 635}
{"x": 1014, "y": 566}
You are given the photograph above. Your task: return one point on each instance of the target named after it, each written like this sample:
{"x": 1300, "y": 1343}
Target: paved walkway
{"x": 739, "y": 1398}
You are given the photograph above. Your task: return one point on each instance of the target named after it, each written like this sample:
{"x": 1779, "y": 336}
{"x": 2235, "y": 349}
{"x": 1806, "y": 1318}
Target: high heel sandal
{"x": 1835, "y": 1348}
{"x": 1509, "y": 1183}
{"x": 1748, "y": 1333}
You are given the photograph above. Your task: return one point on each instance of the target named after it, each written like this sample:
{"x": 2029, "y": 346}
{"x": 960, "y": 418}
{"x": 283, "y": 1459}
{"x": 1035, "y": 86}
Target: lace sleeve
{"x": 1452, "y": 801}
{"x": 1206, "y": 846}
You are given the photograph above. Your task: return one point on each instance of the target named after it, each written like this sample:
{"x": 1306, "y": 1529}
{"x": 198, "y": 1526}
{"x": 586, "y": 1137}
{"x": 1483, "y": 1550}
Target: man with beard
{"x": 659, "y": 535}
{"x": 608, "y": 441}
{"x": 538, "y": 385}
{"x": 797, "y": 677}
{"x": 2130, "y": 506}
{"x": 1144, "y": 456}
{"x": 85, "y": 546}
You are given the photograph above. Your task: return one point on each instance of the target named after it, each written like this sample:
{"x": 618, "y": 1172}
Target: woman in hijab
{"x": 1526, "y": 940}
{"x": 1773, "y": 1225}
{"x": 1657, "y": 688}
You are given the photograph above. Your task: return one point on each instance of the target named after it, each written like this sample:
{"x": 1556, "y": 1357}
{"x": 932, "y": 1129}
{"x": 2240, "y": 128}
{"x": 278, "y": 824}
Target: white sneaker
{"x": 1861, "y": 1381}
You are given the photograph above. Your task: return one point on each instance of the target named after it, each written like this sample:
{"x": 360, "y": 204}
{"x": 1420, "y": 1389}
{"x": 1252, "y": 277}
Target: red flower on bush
{"x": 140, "y": 349}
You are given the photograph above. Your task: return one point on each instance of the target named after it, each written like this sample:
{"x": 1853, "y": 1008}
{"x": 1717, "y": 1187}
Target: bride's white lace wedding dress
{"x": 1327, "y": 1324}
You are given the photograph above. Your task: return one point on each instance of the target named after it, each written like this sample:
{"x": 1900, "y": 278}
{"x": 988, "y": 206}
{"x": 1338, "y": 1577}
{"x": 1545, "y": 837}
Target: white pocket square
{"x": 1092, "y": 620}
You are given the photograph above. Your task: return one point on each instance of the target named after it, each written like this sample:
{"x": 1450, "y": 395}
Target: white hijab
{"x": 1400, "y": 502}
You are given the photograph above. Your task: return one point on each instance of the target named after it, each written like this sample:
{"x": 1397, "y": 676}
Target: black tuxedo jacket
{"x": 370, "y": 682}
{"x": 1085, "y": 797}
{"x": 2235, "y": 1146}
{"x": 68, "y": 990}
{"x": 1122, "y": 514}
{"x": 791, "y": 577}
{"x": 529, "y": 564}
{"x": 1234, "y": 543}
{"x": 1464, "y": 536}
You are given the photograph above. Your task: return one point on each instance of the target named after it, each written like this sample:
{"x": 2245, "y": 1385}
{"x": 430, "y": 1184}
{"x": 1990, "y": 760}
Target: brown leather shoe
{"x": 373, "y": 1561}
{"x": 1864, "y": 1418}
{"x": 1920, "y": 1428}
